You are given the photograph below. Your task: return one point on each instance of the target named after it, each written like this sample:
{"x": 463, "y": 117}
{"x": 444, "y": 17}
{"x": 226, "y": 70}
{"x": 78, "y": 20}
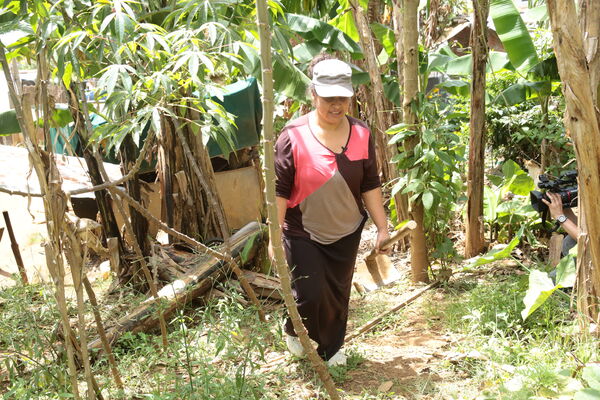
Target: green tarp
{"x": 9, "y": 123}
{"x": 241, "y": 99}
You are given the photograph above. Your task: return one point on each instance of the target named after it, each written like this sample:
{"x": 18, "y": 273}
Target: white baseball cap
{"x": 332, "y": 78}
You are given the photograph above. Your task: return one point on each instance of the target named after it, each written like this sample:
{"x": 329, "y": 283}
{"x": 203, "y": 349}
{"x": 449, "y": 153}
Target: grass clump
{"x": 508, "y": 357}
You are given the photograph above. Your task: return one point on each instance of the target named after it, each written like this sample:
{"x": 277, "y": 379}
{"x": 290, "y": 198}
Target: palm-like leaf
{"x": 513, "y": 34}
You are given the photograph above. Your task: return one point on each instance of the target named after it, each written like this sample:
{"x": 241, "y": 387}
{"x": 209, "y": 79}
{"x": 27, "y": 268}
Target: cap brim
{"x": 334, "y": 90}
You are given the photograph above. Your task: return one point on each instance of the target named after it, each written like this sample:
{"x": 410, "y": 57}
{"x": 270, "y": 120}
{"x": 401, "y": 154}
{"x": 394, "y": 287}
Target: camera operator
{"x": 566, "y": 218}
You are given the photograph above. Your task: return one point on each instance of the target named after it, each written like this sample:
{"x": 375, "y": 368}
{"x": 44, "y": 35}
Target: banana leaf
{"x": 313, "y": 29}
{"x": 514, "y": 35}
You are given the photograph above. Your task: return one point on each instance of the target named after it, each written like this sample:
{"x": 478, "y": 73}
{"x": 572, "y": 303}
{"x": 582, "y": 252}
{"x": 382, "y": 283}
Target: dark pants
{"x": 321, "y": 281}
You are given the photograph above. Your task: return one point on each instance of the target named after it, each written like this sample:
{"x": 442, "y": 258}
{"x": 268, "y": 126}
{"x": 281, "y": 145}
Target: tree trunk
{"x": 55, "y": 205}
{"x": 139, "y": 223}
{"x": 418, "y": 253}
{"x": 383, "y": 109}
{"x": 474, "y": 241}
{"x": 402, "y": 199}
{"x": 382, "y": 112}
{"x": 189, "y": 208}
{"x": 588, "y": 293}
{"x": 589, "y": 14}
{"x": 582, "y": 123}
{"x": 83, "y": 129}
{"x": 269, "y": 171}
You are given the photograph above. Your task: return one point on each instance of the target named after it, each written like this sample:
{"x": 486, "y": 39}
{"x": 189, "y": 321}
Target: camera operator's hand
{"x": 554, "y": 205}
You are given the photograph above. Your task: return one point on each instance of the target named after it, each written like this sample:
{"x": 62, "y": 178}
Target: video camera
{"x": 565, "y": 186}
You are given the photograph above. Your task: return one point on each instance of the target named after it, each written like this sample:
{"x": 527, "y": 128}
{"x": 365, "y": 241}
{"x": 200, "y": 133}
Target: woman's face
{"x": 331, "y": 109}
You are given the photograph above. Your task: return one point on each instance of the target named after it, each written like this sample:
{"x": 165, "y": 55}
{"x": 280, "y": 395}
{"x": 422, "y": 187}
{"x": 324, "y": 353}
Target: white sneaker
{"x": 294, "y": 345}
{"x": 338, "y": 358}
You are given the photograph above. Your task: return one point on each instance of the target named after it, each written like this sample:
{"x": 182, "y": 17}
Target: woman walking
{"x": 326, "y": 175}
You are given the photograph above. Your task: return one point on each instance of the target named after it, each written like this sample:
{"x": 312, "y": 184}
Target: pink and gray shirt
{"x": 323, "y": 189}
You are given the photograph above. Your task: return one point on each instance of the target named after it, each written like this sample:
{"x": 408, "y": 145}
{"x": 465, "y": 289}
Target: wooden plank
{"x": 264, "y": 285}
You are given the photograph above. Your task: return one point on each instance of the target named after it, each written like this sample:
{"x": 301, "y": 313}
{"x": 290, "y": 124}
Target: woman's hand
{"x": 382, "y": 235}
{"x": 554, "y": 205}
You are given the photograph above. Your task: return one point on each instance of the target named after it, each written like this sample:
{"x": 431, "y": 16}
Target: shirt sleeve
{"x": 370, "y": 171}
{"x": 285, "y": 169}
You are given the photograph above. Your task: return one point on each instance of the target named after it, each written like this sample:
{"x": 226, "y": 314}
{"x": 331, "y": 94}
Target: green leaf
{"x": 427, "y": 200}
{"x": 566, "y": 270}
{"x": 401, "y": 136}
{"x": 587, "y": 394}
{"x": 306, "y": 51}
{"x": 67, "y": 74}
{"x": 250, "y": 244}
{"x": 540, "y": 289}
{"x": 490, "y": 204}
{"x": 460, "y": 66}
{"x": 313, "y": 29}
{"x": 120, "y": 20}
{"x": 546, "y": 70}
{"x": 514, "y": 34}
{"x": 456, "y": 87}
{"x": 536, "y": 14}
{"x": 438, "y": 62}
{"x": 288, "y": 79}
{"x": 345, "y": 23}
{"x": 498, "y": 61}
{"x": 497, "y": 254}
{"x": 591, "y": 374}
{"x": 516, "y": 180}
{"x": 385, "y": 36}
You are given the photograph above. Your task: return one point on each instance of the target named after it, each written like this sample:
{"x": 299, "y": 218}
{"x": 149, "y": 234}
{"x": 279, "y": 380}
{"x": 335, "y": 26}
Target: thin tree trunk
{"x": 418, "y": 251}
{"x": 582, "y": 123}
{"x": 76, "y": 255}
{"x": 474, "y": 241}
{"x": 54, "y": 206}
{"x": 383, "y": 109}
{"x": 382, "y": 120}
{"x": 402, "y": 199}
{"x": 138, "y": 251}
{"x": 139, "y": 223}
{"x": 83, "y": 129}
{"x": 102, "y": 333}
{"x": 274, "y": 229}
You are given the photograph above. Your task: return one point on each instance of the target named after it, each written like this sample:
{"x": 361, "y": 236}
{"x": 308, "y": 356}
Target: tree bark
{"x": 418, "y": 251}
{"x": 474, "y": 241}
{"x": 138, "y": 222}
{"x": 582, "y": 123}
{"x": 382, "y": 112}
{"x": 588, "y": 292}
{"x": 262, "y": 14}
{"x": 402, "y": 213}
{"x": 55, "y": 204}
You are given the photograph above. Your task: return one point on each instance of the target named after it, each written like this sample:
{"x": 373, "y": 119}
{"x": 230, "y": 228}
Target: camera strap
{"x": 545, "y": 218}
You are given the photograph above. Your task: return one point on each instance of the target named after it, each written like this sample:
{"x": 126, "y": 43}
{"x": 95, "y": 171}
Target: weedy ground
{"x": 463, "y": 340}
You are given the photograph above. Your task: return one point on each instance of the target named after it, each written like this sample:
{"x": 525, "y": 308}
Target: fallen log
{"x": 206, "y": 271}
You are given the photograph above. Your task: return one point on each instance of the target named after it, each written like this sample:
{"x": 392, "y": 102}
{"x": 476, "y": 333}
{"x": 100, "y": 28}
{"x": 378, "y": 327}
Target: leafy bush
{"x": 431, "y": 172}
{"x": 507, "y": 206}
